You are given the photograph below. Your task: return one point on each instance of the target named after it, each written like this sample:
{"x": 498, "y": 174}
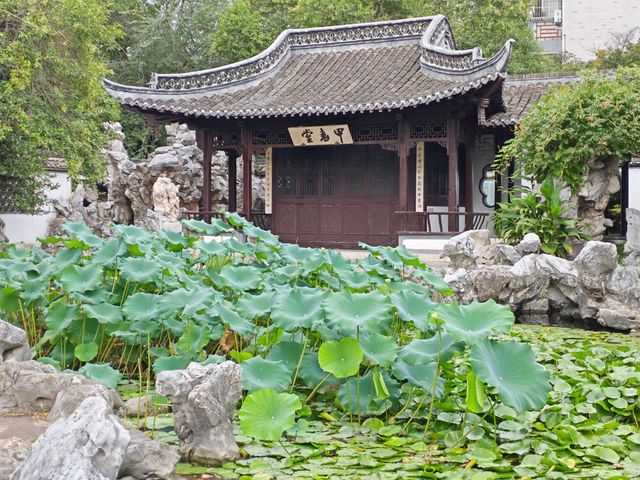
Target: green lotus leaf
{"x": 59, "y": 316}
{"x": 141, "y": 306}
{"x": 133, "y": 235}
{"x": 352, "y": 312}
{"x": 341, "y": 358}
{"x": 9, "y": 299}
{"x": 175, "y": 241}
{"x": 252, "y": 306}
{"x": 199, "y": 299}
{"x": 288, "y": 353}
{"x": 301, "y": 308}
{"x": 193, "y": 340}
{"x": 231, "y": 319}
{"x": 103, "y": 373}
{"x": 356, "y": 279}
{"x": 236, "y": 219}
{"x": 74, "y": 278}
{"x": 32, "y": 294}
{"x": 65, "y": 257}
{"x": 296, "y": 254}
{"x": 171, "y": 302}
{"x": 476, "y": 397}
{"x": 236, "y": 246}
{"x": 211, "y": 248}
{"x": 240, "y": 277}
{"x": 216, "y": 227}
{"x": 83, "y": 233}
{"x": 266, "y": 414}
{"x": 85, "y": 352}
{"x": 511, "y": 367}
{"x": 140, "y": 269}
{"x": 433, "y": 279}
{"x": 421, "y": 376}
{"x": 92, "y": 297}
{"x": 386, "y": 254}
{"x": 103, "y": 312}
{"x": 414, "y": 307}
{"x": 357, "y": 394}
{"x": 260, "y": 235}
{"x": 379, "y": 348}
{"x": 174, "y": 362}
{"x": 408, "y": 258}
{"x": 476, "y": 321}
{"x": 109, "y": 252}
{"x": 310, "y": 371}
{"x": 440, "y": 347}
{"x": 259, "y": 373}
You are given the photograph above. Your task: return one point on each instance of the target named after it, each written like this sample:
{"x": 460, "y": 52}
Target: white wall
{"x": 588, "y": 24}
{"x": 21, "y": 228}
{"x": 634, "y": 186}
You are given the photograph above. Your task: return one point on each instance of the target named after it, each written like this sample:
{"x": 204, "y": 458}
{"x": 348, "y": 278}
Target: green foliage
{"x": 266, "y": 414}
{"x": 52, "y": 60}
{"x": 541, "y": 213}
{"x": 596, "y": 118}
{"x": 297, "y": 319}
{"x": 624, "y": 51}
{"x": 580, "y": 433}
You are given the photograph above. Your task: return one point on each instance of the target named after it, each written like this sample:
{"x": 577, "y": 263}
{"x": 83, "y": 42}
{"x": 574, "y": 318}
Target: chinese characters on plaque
{"x": 320, "y": 135}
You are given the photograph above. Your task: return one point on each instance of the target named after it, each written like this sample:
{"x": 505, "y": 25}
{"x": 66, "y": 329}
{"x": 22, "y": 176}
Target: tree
{"x": 623, "y": 51}
{"x": 51, "y": 99}
{"x": 577, "y": 130}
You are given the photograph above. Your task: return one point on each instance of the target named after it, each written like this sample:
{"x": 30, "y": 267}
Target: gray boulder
{"x": 147, "y": 458}
{"x": 530, "y": 243}
{"x": 90, "y": 444}
{"x": 71, "y": 397}
{"x": 13, "y": 451}
{"x": 13, "y": 343}
{"x": 594, "y": 265}
{"x": 141, "y": 407}
{"x": 204, "y": 401}
{"x": 462, "y": 249}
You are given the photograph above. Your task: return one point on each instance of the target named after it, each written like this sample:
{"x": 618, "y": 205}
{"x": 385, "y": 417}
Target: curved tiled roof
{"x": 521, "y": 92}
{"x": 344, "y": 69}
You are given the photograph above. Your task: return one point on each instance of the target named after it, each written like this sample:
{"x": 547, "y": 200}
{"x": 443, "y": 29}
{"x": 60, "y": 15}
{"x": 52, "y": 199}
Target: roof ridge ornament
{"x": 440, "y": 58}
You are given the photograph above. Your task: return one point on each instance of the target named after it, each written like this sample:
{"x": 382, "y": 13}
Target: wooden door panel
{"x": 331, "y": 219}
{"x": 355, "y": 219}
{"x": 308, "y": 219}
{"x": 286, "y": 219}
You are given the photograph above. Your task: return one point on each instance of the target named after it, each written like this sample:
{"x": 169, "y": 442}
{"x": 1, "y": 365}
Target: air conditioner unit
{"x": 557, "y": 17}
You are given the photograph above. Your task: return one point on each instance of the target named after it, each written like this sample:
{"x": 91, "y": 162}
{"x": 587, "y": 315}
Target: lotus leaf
{"x": 511, "y": 367}
{"x": 266, "y": 414}
{"x": 102, "y": 373}
{"x": 300, "y": 309}
{"x": 474, "y": 322}
{"x": 379, "y": 348}
{"x": 341, "y": 358}
{"x": 259, "y": 373}
{"x": 414, "y": 307}
{"x": 80, "y": 279}
{"x": 352, "y": 312}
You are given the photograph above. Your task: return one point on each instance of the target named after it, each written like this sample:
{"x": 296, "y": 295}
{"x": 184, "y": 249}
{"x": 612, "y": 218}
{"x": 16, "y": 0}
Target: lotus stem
{"x": 313, "y": 392}
{"x": 295, "y": 375}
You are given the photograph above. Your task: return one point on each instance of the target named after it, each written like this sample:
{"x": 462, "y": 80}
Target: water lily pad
{"x": 259, "y": 373}
{"x": 266, "y": 414}
{"x": 341, "y": 358}
{"x": 511, "y": 367}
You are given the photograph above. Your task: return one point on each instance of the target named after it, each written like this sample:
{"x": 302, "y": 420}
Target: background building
{"x": 581, "y": 27}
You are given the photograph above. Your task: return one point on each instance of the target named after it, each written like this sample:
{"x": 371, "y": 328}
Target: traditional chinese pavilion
{"x": 376, "y": 132}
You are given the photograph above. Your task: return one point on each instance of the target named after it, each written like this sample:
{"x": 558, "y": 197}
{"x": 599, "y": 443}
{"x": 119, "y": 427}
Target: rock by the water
{"x": 90, "y": 444}
{"x": 147, "y": 458}
{"x": 13, "y": 343}
{"x": 69, "y": 398}
{"x": 595, "y": 264}
{"x": 204, "y": 401}
{"x": 462, "y": 249}
{"x": 141, "y": 407}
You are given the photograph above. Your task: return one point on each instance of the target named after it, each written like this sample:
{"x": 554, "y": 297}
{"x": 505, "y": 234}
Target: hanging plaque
{"x": 320, "y": 135}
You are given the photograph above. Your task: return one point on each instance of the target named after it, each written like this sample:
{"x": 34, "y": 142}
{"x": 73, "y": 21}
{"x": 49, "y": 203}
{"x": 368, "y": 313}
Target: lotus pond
{"x": 362, "y": 369}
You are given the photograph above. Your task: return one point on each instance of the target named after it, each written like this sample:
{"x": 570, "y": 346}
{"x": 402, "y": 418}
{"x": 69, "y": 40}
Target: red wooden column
{"x": 204, "y": 139}
{"x": 452, "y": 191}
{"x": 403, "y": 153}
{"x": 247, "y": 154}
{"x": 469, "y": 155}
{"x": 232, "y": 156}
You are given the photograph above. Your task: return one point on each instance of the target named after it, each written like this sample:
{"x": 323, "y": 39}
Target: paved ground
{"x": 23, "y": 426}
{"x": 431, "y": 259}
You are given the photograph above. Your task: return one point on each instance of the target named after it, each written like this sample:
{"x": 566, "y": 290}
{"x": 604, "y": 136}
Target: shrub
{"x": 540, "y": 213}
